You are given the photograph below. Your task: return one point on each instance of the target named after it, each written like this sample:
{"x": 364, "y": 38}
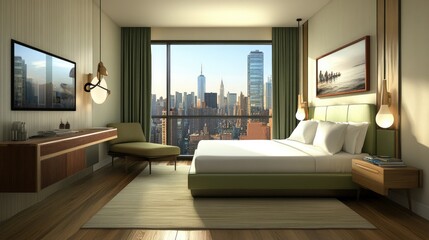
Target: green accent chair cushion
{"x": 145, "y": 149}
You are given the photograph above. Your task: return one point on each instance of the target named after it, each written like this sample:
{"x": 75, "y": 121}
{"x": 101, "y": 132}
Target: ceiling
{"x": 210, "y": 13}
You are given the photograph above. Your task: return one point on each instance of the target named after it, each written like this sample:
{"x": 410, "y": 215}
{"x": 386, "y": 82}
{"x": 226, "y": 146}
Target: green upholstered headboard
{"x": 350, "y": 113}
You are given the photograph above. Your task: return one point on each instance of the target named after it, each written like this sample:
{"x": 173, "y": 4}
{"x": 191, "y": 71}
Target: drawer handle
{"x": 367, "y": 168}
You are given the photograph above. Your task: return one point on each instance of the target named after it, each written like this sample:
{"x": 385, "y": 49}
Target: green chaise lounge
{"x": 131, "y": 143}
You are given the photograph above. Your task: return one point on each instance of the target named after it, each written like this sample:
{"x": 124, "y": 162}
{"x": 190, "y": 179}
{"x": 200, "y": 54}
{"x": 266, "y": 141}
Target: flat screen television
{"x": 41, "y": 80}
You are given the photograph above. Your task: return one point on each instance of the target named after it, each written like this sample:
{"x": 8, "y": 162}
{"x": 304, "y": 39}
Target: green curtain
{"x": 136, "y": 76}
{"x": 285, "y": 80}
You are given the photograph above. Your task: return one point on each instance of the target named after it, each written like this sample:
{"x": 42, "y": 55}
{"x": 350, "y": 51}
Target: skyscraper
{"x": 211, "y": 99}
{"x": 201, "y": 85}
{"x": 179, "y": 100}
{"x": 19, "y": 81}
{"x": 231, "y": 100}
{"x": 153, "y": 104}
{"x": 255, "y": 81}
{"x": 268, "y": 93}
{"x": 221, "y": 96}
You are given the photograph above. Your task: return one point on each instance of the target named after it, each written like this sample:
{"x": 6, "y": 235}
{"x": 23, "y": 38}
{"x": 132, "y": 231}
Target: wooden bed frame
{"x": 296, "y": 184}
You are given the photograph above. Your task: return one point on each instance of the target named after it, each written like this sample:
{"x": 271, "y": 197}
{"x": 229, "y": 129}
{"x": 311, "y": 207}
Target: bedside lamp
{"x": 384, "y": 117}
{"x": 301, "y": 112}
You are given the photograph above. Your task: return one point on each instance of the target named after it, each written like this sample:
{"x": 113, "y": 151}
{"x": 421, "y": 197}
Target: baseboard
{"x": 102, "y": 163}
{"x": 417, "y": 207}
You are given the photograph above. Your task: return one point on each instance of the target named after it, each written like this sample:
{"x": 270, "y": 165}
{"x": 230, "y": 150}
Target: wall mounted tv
{"x": 41, "y": 80}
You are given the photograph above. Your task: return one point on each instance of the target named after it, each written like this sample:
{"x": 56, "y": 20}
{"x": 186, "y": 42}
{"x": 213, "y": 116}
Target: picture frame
{"x": 344, "y": 70}
{"x": 41, "y": 81}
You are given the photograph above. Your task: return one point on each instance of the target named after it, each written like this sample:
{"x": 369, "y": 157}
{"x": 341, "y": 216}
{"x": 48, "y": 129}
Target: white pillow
{"x": 350, "y": 139}
{"x": 363, "y": 128}
{"x": 330, "y": 136}
{"x": 304, "y": 132}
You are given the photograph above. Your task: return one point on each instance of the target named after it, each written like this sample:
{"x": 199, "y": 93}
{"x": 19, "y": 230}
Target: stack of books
{"x": 385, "y": 161}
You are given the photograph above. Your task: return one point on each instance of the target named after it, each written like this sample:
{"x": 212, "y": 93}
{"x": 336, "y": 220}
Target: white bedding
{"x": 267, "y": 156}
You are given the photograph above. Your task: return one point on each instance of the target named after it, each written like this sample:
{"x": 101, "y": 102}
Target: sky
{"x": 218, "y": 62}
{"x": 36, "y": 66}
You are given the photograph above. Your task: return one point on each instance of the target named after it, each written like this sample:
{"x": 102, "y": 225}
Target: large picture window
{"x": 218, "y": 91}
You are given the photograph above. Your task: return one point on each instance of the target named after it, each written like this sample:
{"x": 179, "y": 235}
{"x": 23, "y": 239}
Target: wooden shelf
{"x": 29, "y": 166}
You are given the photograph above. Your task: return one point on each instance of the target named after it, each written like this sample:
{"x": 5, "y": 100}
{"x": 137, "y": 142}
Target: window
{"x": 203, "y": 91}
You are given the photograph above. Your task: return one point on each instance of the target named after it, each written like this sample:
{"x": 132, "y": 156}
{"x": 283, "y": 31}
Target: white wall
{"x": 337, "y": 24}
{"x": 415, "y": 97}
{"x": 236, "y": 33}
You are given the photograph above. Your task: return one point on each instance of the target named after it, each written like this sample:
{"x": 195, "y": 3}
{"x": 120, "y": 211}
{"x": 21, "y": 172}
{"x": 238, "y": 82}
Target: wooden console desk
{"x": 30, "y": 166}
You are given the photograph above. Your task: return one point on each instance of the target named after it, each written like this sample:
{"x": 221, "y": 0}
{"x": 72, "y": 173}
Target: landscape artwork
{"x": 344, "y": 70}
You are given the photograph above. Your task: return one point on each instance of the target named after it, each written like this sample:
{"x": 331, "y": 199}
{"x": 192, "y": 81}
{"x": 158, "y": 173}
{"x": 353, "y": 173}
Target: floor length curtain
{"x": 136, "y": 76}
{"x": 285, "y": 80}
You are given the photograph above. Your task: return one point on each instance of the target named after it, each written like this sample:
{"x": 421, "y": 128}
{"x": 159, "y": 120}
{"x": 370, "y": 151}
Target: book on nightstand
{"x": 385, "y": 161}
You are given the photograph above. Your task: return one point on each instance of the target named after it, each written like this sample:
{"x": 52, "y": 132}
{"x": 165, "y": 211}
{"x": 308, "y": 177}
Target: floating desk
{"x": 30, "y": 166}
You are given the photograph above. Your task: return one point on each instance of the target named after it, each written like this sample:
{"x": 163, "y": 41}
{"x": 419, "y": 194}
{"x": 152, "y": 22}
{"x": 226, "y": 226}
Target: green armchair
{"x": 131, "y": 142}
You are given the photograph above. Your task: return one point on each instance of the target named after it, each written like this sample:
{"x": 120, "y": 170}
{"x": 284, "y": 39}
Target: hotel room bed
{"x": 279, "y": 167}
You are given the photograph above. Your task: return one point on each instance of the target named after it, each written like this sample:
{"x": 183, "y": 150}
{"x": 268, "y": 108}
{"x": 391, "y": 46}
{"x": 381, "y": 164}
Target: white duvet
{"x": 266, "y": 156}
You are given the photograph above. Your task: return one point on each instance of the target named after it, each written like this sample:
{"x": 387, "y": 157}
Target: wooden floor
{"x": 61, "y": 215}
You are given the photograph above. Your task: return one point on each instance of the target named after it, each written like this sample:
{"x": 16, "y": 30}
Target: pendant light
{"x": 384, "y": 117}
{"x": 301, "y": 112}
{"x": 97, "y": 86}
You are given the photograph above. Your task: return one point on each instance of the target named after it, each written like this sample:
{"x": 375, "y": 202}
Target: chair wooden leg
{"x": 150, "y": 167}
{"x": 175, "y": 160}
{"x": 112, "y": 160}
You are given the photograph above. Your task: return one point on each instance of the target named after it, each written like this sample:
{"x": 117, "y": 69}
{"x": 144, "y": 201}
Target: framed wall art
{"x": 344, "y": 70}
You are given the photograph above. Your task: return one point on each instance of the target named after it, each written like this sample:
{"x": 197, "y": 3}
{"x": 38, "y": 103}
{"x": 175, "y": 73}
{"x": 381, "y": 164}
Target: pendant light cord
{"x": 100, "y": 30}
{"x": 384, "y": 40}
{"x": 299, "y": 80}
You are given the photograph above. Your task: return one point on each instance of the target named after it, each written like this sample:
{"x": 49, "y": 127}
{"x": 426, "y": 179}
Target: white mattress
{"x": 267, "y": 156}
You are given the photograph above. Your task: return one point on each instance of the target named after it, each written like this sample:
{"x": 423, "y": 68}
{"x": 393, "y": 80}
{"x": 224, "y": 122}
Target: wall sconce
{"x": 384, "y": 117}
{"x": 301, "y": 112}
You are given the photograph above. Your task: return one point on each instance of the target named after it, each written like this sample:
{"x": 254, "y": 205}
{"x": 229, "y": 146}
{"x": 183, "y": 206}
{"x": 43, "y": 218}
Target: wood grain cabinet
{"x": 30, "y": 166}
{"x": 380, "y": 180}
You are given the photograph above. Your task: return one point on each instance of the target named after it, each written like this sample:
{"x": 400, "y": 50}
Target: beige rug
{"x": 162, "y": 201}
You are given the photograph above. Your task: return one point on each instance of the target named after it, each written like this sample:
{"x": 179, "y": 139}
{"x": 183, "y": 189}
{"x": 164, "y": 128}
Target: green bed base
{"x": 297, "y": 184}
{"x": 269, "y": 184}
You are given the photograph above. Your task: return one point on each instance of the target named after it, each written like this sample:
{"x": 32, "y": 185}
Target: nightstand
{"x": 380, "y": 179}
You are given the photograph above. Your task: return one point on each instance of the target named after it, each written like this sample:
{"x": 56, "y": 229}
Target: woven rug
{"x": 162, "y": 201}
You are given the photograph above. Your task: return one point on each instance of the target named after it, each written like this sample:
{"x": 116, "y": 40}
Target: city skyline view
{"x": 227, "y": 63}
{"x": 198, "y": 102}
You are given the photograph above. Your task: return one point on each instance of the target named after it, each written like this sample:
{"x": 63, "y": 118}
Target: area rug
{"x": 162, "y": 201}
